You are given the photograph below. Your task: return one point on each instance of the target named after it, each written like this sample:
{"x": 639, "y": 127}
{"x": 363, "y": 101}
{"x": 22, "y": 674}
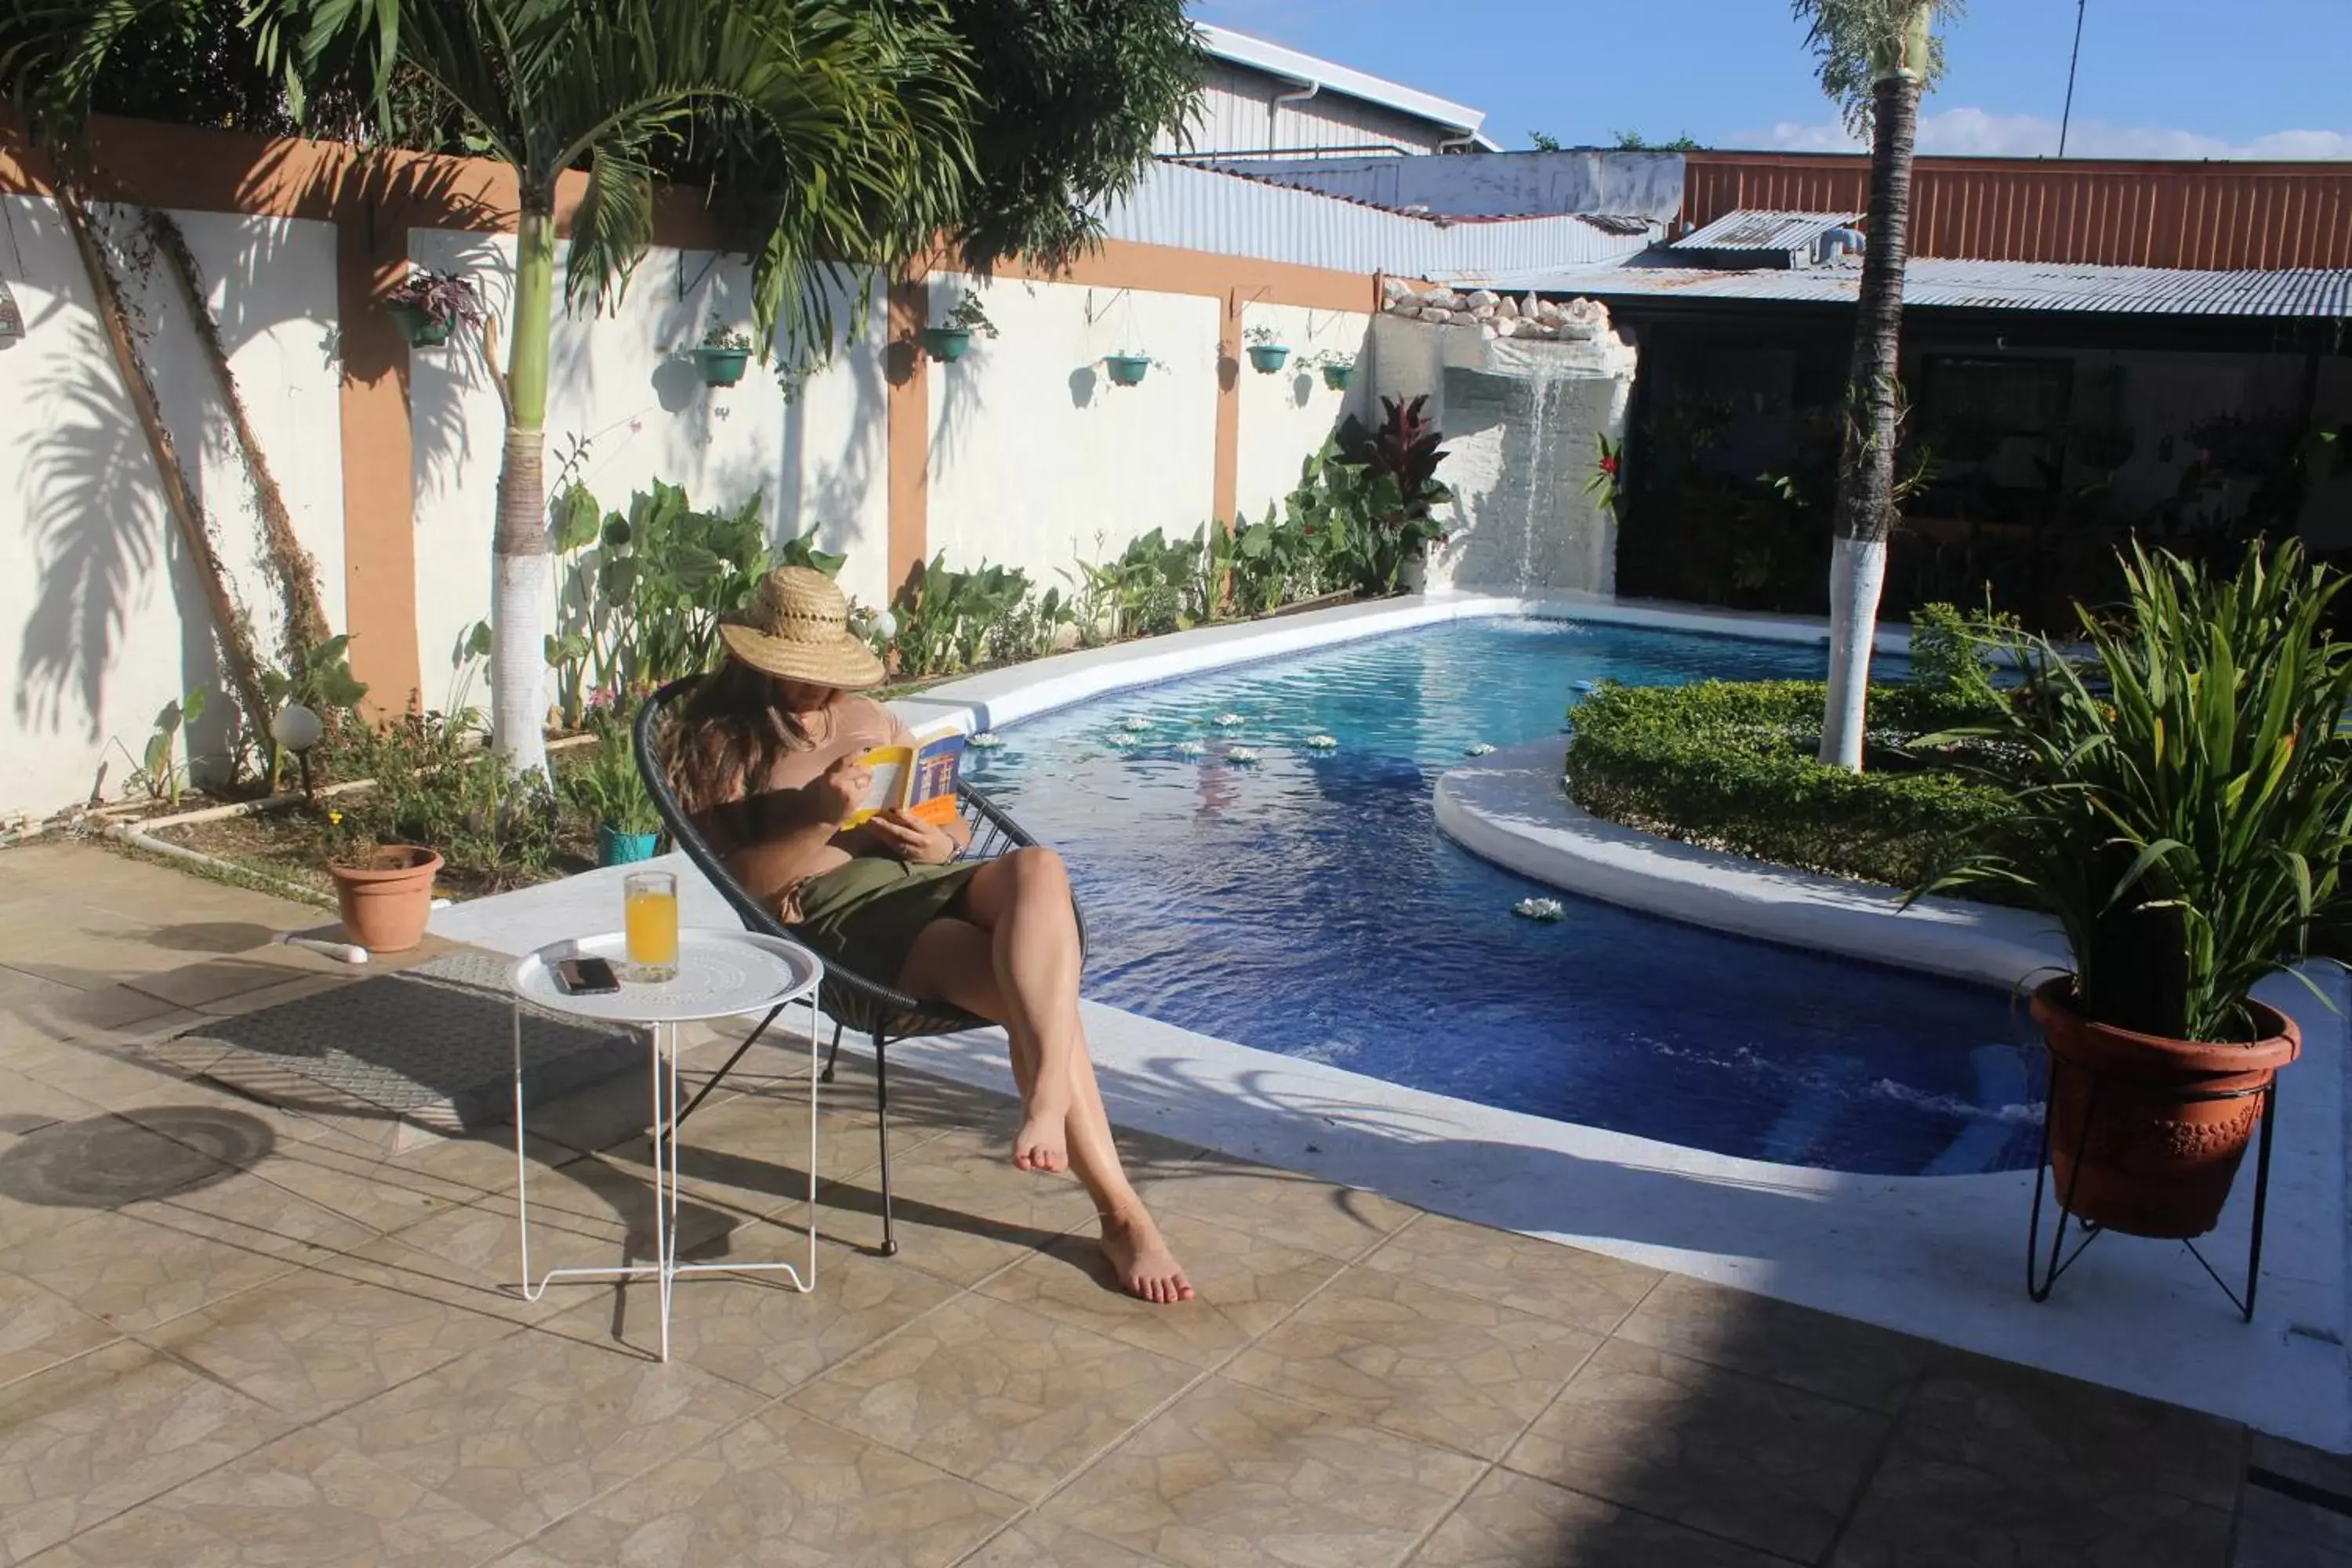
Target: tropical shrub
{"x": 946, "y": 618}
{"x": 606, "y": 787}
{"x": 2184, "y": 808}
{"x": 1731, "y": 766}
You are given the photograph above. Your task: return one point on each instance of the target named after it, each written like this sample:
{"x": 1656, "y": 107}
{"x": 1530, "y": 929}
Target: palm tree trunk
{"x": 297, "y": 574}
{"x": 1866, "y": 503}
{"x": 230, "y": 631}
{"x": 519, "y": 593}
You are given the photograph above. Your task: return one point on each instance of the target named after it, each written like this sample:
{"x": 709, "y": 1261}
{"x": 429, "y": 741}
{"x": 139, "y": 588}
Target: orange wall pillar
{"x": 379, "y": 512}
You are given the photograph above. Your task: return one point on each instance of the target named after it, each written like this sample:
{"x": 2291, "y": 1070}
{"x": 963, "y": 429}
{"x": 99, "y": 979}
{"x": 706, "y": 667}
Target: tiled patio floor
{"x": 231, "y": 1333}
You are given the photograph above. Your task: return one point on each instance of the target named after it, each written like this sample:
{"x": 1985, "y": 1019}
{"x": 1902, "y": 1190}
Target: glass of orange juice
{"x": 650, "y": 905}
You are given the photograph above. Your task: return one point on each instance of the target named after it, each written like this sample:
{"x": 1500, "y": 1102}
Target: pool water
{"x": 1307, "y": 903}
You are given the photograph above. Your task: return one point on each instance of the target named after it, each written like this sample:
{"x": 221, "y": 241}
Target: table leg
{"x": 523, "y": 1164}
{"x": 664, "y": 1266}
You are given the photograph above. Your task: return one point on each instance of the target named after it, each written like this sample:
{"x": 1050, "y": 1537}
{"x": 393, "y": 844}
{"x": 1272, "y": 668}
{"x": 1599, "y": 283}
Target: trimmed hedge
{"x": 1730, "y": 766}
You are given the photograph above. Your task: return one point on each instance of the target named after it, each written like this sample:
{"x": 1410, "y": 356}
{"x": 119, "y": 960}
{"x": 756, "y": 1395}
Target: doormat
{"x": 433, "y": 1045}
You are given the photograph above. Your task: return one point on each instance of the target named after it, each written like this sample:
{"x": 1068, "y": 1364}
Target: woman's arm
{"x": 770, "y": 841}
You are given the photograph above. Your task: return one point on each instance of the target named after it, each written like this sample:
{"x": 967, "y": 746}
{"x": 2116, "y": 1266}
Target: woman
{"x": 764, "y": 758}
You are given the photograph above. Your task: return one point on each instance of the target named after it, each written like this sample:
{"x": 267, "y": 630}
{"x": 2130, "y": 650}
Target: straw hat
{"x": 797, "y": 627}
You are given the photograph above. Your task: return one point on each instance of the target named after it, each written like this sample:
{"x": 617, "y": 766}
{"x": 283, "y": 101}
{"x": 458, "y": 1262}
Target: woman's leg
{"x": 1022, "y": 901}
{"x": 956, "y": 960}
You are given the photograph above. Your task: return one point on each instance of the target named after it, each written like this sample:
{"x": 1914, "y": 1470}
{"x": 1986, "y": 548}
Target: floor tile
{"x": 210, "y": 980}
{"x": 1390, "y": 1350}
{"x": 1723, "y": 1452}
{"x": 309, "y": 1344}
{"x": 83, "y": 1441}
{"x": 962, "y": 1211}
{"x": 1245, "y": 1281}
{"x": 1513, "y": 1521}
{"x": 2300, "y": 1462}
{"x": 1008, "y": 1398}
{"x": 1339, "y": 1222}
{"x": 523, "y": 1431}
{"x": 39, "y": 1329}
{"x": 1926, "y": 1510}
{"x": 303, "y": 1500}
{"x": 783, "y": 1488}
{"x": 2028, "y": 1426}
{"x": 1232, "y": 1475}
{"x": 757, "y": 1330}
{"x": 1040, "y": 1543}
{"x": 1527, "y": 1273}
{"x": 1858, "y": 1362}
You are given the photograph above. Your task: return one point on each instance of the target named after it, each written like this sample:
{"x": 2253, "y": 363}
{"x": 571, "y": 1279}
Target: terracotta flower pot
{"x": 2146, "y": 1133}
{"x": 387, "y": 895}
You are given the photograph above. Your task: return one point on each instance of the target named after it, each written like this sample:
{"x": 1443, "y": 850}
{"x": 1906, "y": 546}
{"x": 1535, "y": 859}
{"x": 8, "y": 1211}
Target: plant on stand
{"x": 2184, "y": 811}
{"x": 430, "y": 306}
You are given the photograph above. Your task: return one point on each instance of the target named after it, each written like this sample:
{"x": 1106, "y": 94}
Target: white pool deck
{"x": 1941, "y": 1257}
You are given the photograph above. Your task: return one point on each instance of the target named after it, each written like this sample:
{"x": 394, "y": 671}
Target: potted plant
{"x": 722, "y": 353}
{"x": 1338, "y": 369}
{"x": 2184, "y": 808}
{"x": 430, "y": 305}
{"x": 1267, "y": 352}
{"x": 1127, "y": 368}
{"x": 950, "y": 339}
{"x": 384, "y": 890}
{"x": 607, "y": 789}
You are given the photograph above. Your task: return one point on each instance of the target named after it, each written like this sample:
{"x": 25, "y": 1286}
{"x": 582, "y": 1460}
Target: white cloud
{"x": 1974, "y": 133}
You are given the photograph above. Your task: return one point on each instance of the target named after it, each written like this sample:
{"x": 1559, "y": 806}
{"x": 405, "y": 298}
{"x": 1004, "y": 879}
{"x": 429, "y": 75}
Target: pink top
{"x": 851, "y": 727}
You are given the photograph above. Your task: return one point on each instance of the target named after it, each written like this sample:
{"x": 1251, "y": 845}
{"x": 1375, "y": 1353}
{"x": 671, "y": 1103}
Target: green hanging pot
{"x": 945, "y": 342}
{"x": 1268, "y": 357}
{"x": 722, "y": 367}
{"x": 422, "y": 331}
{"x": 1127, "y": 370}
{"x": 1339, "y": 377}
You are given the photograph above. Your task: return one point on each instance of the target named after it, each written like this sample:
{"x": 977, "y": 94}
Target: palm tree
{"x": 857, "y": 117}
{"x": 1876, "y": 58}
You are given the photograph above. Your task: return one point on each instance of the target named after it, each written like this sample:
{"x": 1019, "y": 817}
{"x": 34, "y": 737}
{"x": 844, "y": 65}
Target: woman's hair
{"x": 727, "y": 737}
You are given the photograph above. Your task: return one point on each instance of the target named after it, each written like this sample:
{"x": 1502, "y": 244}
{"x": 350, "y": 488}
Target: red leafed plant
{"x": 1407, "y": 446}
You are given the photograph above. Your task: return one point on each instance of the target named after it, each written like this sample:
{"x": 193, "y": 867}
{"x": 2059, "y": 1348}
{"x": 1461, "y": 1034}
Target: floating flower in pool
{"x": 984, "y": 740}
{"x": 1124, "y": 738}
{"x": 1136, "y": 721}
{"x": 1189, "y": 747}
{"x": 1476, "y": 748}
{"x": 1229, "y": 720}
{"x": 1242, "y": 755}
{"x": 1322, "y": 742}
{"x": 1539, "y": 910}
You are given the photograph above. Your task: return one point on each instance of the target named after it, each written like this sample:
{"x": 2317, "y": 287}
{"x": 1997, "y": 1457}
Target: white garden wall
{"x": 1285, "y": 416}
{"x": 622, "y": 383}
{"x": 103, "y": 618}
{"x": 1036, "y": 460}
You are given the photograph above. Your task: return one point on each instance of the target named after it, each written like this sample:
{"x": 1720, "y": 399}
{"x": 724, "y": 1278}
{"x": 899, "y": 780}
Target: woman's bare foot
{"x": 1139, "y": 1257}
{"x": 1044, "y": 1141}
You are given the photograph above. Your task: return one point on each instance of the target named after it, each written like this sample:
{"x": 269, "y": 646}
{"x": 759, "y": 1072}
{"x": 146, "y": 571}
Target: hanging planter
{"x": 1127, "y": 370}
{"x": 723, "y": 353}
{"x": 430, "y": 306}
{"x": 1339, "y": 374}
{"x": 951, "y": 338}
{"x": 1266, "y": 355}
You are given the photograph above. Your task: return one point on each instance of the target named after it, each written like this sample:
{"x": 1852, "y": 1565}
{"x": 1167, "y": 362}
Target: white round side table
{"x": 720, "y": 974}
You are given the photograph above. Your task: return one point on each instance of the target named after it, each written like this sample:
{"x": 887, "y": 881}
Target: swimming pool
{"x": 1307, "y": 903}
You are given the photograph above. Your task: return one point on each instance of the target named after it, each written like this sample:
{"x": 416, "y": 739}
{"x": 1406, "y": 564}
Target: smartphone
{"x": 585, "y": 977}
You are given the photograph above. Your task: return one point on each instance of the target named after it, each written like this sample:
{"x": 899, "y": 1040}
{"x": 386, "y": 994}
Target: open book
{"x": 919, "y": 779}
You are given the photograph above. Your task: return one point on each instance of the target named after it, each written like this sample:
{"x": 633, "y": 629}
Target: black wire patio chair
{"x": 851, "y": 999}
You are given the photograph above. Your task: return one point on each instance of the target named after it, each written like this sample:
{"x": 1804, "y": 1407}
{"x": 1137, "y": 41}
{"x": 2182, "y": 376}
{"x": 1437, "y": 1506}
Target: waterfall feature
{"x": 1520, "y": 416}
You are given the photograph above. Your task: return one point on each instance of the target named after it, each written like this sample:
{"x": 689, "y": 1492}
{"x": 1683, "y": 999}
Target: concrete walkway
{"x": 233, "y": 1332}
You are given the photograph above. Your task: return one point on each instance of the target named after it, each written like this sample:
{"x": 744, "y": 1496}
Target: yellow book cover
{"x": 920, "y": 779}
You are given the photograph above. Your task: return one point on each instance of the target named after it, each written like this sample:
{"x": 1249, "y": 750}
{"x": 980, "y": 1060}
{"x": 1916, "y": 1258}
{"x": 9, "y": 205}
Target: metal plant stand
{"x": 2042, "y": 1275}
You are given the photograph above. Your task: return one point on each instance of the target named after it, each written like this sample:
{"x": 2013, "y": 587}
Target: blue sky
{"x": 2158, "y": 78}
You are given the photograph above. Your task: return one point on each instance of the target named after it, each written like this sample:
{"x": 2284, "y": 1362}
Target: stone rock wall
{"x": 1497, "y": 315}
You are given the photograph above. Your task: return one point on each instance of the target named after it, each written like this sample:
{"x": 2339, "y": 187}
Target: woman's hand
{"x": 841, "y": 789}
{"x": 908, "y": 838}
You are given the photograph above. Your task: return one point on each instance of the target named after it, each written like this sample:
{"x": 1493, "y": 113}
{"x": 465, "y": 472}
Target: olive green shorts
{"x": 865, "y": 915}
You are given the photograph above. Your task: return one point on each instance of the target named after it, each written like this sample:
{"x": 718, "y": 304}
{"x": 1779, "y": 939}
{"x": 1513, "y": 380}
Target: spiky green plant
{"x": 2187, "y": 802}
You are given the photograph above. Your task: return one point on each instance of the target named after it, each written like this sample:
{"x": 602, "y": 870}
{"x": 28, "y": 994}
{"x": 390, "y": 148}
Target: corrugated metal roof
{"x": 1209, "y": 209}
{"x": 2207, "y": 215}
{"x": 1759, "y": 228}
{"x": 2311, "y": 293}
{"x": 1276, "y": 60}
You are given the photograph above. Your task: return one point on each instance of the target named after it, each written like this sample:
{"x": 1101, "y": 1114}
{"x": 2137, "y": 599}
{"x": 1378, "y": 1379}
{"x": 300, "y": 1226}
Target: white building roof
{"x": 1275, "y": 59}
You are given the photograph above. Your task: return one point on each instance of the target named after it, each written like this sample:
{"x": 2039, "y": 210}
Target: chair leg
{"x": 882, "y": 1130}
{"x": 719, "y": 1077}
{"x": 830, "y": 1056}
